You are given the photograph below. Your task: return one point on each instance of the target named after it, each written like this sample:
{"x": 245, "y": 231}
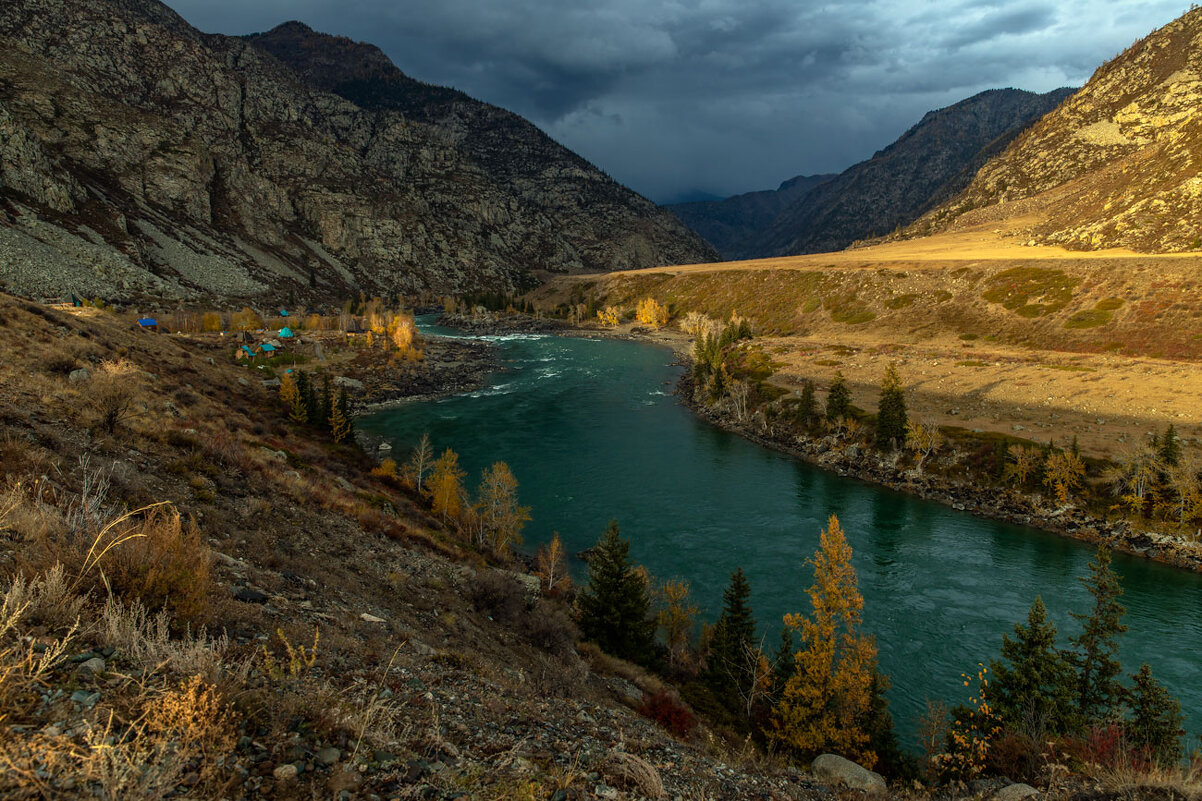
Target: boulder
{"x": 79, "y": 376}
{"x": 634, "y": 774}
{"x": 1015, "y": 792}
{"x": 350, "y": 383}
{"x": 833, "y": 769}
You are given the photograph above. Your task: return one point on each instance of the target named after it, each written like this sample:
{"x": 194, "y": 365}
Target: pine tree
{"x": 1033, "y": 683}
{"x": 838, "y": 399}
{"x": 1098, "y": 691}
{"x": 807, "y": 407}
{"x": 891, "y": 421}
{"x": 828, "y": 700}
{"x": 614, "y": 607}
{"x": 729, "y": 669}
{"x": 1155, "y": 724}
{"x": 1170, "y": 447}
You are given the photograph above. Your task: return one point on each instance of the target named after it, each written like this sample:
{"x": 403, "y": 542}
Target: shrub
{"x": 549, "y": 628}
{"x": 668, "y": 711}
{"x": 1016, "y": 756}
{"x": 498, "y": 596}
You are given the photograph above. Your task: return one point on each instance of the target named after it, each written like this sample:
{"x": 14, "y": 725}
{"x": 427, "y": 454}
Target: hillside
{"x": 1114, "y": 166}
{"x": 727, "y": 223}
{"x": 927, "y": 164}
{"x": 141, "y": 157}
{"x": 321, "y": 634}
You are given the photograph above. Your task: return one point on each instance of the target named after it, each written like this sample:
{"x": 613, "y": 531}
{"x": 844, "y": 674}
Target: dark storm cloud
{"x": 721, "y": 96}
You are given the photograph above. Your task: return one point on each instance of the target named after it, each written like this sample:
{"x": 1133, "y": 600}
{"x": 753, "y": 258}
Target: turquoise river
{"x": 592, "y": 431}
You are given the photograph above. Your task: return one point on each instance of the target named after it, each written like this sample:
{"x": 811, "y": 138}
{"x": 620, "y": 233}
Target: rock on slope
{"x": 1116, "y": 165}
{"x": 139, "y": 156}
{"x": 927, "y": 164}
{"x": 727, "y": 223}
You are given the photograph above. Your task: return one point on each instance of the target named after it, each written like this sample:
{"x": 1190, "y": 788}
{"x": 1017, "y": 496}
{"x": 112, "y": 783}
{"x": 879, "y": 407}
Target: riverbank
{"x": 855, "y": 460}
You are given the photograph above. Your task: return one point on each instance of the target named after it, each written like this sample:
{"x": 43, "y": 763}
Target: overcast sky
{"x": 721, "y": 96}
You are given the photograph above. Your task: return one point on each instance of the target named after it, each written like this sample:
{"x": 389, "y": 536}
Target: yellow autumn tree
{"x": 1024, "y": 463}
{"x": 826, "y": 703}
{"x": 446, "y": 486}
{"x": 1062, "y": 474}
{"x": 340, "y": 424}
{"x": 498, "y": 517}
{"x": 676, "y": 616}
{"x": 551, "y": 565}
{"x": 610, "y": 316}
{"x": 651, "y": 312}
{"x": 210, "y": 321}
{"x": 288, "y": 391}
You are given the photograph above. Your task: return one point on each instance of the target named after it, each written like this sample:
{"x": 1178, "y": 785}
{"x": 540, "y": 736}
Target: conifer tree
{"x": 891, "y": 420}
{"x": 614, "y": 607}
{"x": 340, "y": 424}
{"x": 1170, "y": 447}
{"x": 828, "y": 700}
{"x": 807, "y": 407}
{"x": 1098, "y": 691}
{"x": 1033, "y": 683}
{"x": 1155, "y": 724}
{"x": 730, "y": 672}
{"x": 287, "y": 390}
{"x": 838, "y": 399}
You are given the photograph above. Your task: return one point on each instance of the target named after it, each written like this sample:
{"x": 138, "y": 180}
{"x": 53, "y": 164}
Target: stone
{"x": 633, "y": 773}
{"x": 1015, "y": 792}
{"x": 79, "y": 376}
{"x": 92, "y": 666}
{"x": 369, "y": 618}
{"x": 834, "y": 769}
{"x": 328, "y": 756}
{"x": 249, "y": 596}
{"x": 350, "y": 383}
{"x": 285, "y": 773}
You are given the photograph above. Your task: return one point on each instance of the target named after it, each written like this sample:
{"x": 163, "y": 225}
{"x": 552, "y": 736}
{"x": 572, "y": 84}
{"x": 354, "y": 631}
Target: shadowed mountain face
{"x": 1114, "y": 166}
{"x": 140, "y": 157}
{"x": 930, "y": 163}
{"x": 727, "y": 224}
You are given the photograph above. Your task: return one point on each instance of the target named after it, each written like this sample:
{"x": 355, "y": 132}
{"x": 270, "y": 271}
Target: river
{"x": 592, "y": 431}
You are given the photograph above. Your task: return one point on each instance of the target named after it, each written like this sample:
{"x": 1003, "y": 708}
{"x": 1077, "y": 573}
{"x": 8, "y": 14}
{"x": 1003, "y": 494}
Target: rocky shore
{"x": 859, "y": 462}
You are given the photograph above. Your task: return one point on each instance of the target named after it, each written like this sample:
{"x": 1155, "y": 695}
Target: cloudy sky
{"x": 689, "y": 97}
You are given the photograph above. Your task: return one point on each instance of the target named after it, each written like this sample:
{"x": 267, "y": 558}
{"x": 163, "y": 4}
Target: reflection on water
{"x": 592, "y": 433}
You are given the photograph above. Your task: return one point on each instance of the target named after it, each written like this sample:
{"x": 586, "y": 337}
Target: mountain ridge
{"x": 145, "y": 158}
{"x": 932, "y": 161}
{"x": 1114, "y": 166}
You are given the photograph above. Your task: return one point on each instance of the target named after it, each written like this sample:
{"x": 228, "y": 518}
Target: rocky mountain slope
{"x": 1116, "y": 165}
{"x": 139, "y": 156}
{"x": 727, "y": 223}
{"x": 926, "y": 165}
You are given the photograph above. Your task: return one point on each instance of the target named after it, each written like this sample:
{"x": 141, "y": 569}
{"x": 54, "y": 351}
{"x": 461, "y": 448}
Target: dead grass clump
{"x": 147, "y": 639}
{"x": 112, "y": 392}
{"x": 633, "y": 773}
{"x": 196, "y": 719}
{"x": 498, "y": 596}
{"x": 155, "y": 558}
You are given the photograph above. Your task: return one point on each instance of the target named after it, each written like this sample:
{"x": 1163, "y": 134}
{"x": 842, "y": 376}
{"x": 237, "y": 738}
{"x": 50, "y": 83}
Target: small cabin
{"x": 148, "y": 324}
{"x": 267, "y": 349}
{"x": 244, "y": 352}
{"x": 355, "y": 328}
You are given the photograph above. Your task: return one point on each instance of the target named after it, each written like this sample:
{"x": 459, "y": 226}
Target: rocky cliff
{"x": 1116, "y": 165}
{"x": 926, "y": 165}
{"x": 727, "y": 224}
{"x": 140, "y": 157}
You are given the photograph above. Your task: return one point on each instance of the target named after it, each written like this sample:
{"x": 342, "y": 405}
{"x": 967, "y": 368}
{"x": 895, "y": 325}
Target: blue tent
{"x": 285, "y": 332}
{"x": 283, "y": 312}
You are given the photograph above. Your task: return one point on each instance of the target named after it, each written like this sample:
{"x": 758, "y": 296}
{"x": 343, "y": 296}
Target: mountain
{"x": 928, "y": 164}
{"x": 1114, "y": 166}
{"x": 140, "y": 157}
{"x": 728, "y": 222}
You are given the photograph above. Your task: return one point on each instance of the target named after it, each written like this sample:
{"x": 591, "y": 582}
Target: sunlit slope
{"x": 968, "y": 285}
